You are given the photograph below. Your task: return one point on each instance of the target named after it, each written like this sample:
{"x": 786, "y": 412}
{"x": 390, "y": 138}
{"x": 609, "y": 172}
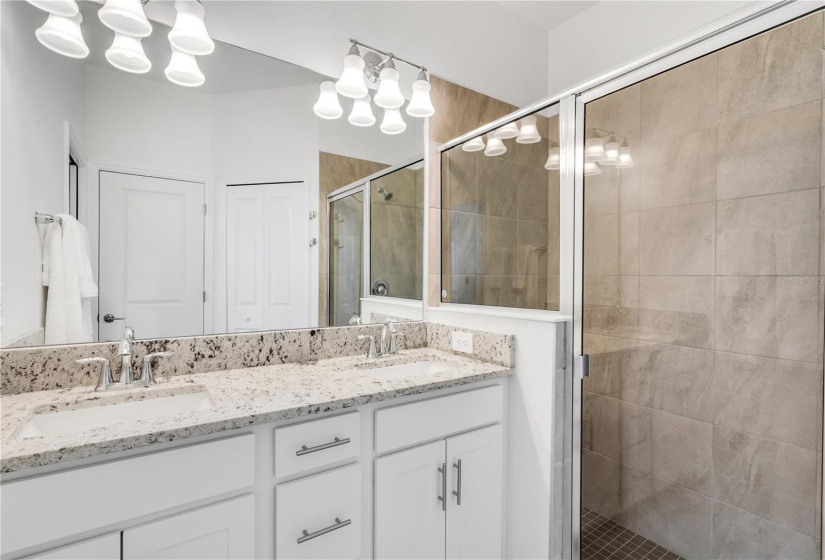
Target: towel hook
{"x": 40, "y": 218}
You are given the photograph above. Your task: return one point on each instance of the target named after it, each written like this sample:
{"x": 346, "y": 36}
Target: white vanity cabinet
{"x": 106, "y": 547}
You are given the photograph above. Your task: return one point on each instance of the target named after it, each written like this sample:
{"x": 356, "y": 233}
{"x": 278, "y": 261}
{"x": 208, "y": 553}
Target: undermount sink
{"x": 78, "y": 420}
{"x": 410, "y": 369}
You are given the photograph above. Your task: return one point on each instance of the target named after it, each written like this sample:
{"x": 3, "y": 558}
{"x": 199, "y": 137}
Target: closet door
{"x": 409, "y": 517}
{"x": 474, "y": 521}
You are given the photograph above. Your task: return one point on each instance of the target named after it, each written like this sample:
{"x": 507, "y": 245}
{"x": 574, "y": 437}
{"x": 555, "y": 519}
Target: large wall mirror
{"x": 205, "y": 208}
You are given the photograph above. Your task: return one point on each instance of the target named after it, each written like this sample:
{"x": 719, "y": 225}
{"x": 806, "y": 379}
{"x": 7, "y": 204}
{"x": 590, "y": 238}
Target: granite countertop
{"x": 239, "y": 398}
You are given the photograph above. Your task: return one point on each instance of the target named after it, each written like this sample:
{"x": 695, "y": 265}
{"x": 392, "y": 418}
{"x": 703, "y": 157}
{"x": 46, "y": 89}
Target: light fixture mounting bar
{"x": 388, "y": 55}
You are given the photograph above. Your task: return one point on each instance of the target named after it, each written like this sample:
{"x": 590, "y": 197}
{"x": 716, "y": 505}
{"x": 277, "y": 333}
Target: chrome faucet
{"x": 124, "y": 350}
{"x": 389, "y": 348}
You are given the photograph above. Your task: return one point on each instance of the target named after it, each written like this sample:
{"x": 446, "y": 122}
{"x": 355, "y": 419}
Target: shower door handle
{"x": 581, "y": 365}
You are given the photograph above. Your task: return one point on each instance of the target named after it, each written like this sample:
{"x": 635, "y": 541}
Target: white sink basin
{"x": 57, "y": 423}
{"x": 407, "y": 370}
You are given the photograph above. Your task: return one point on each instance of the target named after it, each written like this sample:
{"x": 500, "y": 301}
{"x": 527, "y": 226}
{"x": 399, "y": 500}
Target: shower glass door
{"x": 703, "y": 263}
{"x": 346, "y": 243}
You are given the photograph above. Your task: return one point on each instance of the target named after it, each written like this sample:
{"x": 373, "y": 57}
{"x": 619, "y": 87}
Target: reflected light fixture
{"x": 591, "y": 168}
{"x": 474, "y": 145}
{"x": 189, "y": 33}
{"x": 509, "y": 130}
{"x": 65, "y": 8}
{"x": 393, "y": 123}
{"x": 389, "y": 94}
{"x": 553, "y": 158}
{"x": 361, "y": 114}
{"x": 126, "y": 53}
{"x": 420, "y": 104}
{"x": 183, "y": 70}
{"x": 63, "y": 35}
{"x": 125, "y": 17}
{"x": 625, "y": 160}
{"x": 528, "y": 133}
{"x": 352, "y": 83}
{"x": 327, "y": 106}
{"x": 495, "y": 147}
{"x": 594, "y": 149}
{"x": 611, "y": 150}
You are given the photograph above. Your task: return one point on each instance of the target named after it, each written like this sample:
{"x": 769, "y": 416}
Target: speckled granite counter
{"x": 239, "y": 397}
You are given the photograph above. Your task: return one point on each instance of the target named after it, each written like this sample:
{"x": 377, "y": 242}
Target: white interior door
{"x": 267, "y": 256}
{"x": 151, "y": 256}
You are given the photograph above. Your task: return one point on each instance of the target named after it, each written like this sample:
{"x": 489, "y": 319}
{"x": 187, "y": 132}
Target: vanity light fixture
{"x": 62, "y": 35}
{"x": 327, "y": 106}
{"x": 528, "y": 133}
{"x": 553, "y": 158}
{"x": 509, "y": 130}
{"x": 420, "y": 104}
{"x": 125, "y": 17}
{"x": 361, "y": 114}
{"x": 393, "y": 123}
{"x": 189, "y": 33}
{"x": 594, "y": 149}
{"x": 495, "y": 147}
{"x": 625, "y": 159}
{"x": 474, "y": 145}
{"x": 183, "y": 70}
{"x": 352, "y": 84}
{"x": 591, "y": 168}
{"x": 65, "y": 8}
{"x": 126, "y": 53}
{"x": 389, "y": 93}
{"x": 611, "y": 150}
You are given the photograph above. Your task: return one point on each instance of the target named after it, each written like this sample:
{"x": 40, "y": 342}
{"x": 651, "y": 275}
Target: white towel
{"x": 67, "y": 271}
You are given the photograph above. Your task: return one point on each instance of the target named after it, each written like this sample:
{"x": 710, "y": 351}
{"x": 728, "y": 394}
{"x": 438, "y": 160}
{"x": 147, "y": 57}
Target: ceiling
{"x": 547, "y": 14}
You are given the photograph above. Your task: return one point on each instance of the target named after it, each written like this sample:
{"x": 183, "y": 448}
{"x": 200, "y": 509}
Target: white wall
{"x": 35, "y": 165}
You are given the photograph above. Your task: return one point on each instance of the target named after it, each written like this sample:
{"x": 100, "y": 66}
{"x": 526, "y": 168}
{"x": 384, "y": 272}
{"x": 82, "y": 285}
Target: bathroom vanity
{"x": 336, "y": 458}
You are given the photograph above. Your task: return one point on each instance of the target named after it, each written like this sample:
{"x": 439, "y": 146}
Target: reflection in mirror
{"x": 204, "y": 207}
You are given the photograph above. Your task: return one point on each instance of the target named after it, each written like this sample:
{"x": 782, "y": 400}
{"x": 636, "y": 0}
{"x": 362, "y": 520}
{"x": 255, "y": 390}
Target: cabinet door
{"x": 474, "y": 526}
{"x": 409, "y": 517}
{"x": 106, "y": 547}
{"x": 219, "y": 532}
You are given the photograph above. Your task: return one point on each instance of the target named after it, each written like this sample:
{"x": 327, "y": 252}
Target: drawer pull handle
{"x": 457, "y": 491}
{"x": 338, "y": 524}
{"x": 304, "y": 449}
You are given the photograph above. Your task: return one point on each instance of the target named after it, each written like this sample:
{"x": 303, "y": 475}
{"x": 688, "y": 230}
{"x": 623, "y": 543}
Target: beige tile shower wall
{"x": 704, "y": 303}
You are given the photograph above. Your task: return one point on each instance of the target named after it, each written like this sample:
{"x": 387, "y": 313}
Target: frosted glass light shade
{"x": 361, "y": 114}
{"x": 529, "y": 133}
{"x": 351, "y": 83}
{"x": 495, "y": 147}
{"x": 189, "y": 33}
{"x": 65, "y": 8}
{"x": 509, "y": 130}
{"x": 327, "y": 106}
{"x": 594, "y": 150}
{"x": 393, "y": 123}
{"x": 126, "y": 17}
{"x": 63, "y": 36}
{"x": 591, "y": 168}
{"x": 553, "y": 159}
{"x": 474, "y": 145}
{"x": 420, "y": 103}
{"x": 625, "y": 160}
{"x": 126, "y": 53}
{"x": 183, "y": 70}
{"x": 389, "y": 94}
{"x": 611, "y": 150}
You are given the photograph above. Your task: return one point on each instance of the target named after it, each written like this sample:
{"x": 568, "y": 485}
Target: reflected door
{"x": 346, "y": 268}
{"x": 701, "y": 423}
{"x": 151, "y": 256}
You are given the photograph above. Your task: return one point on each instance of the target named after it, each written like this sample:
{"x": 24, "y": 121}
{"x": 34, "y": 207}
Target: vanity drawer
{"x": 328, "y": 507}
{"x": 310, "y": 445}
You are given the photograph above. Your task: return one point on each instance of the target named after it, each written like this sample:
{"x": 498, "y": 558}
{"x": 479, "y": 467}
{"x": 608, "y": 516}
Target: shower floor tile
{"x": 603, "y": 538}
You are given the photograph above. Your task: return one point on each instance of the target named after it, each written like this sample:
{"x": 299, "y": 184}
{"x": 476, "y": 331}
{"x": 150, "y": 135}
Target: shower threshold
{"x": 603, "y": 538}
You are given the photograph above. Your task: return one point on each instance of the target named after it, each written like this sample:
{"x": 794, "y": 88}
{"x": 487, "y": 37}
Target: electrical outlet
{"x": 463, "y": 342}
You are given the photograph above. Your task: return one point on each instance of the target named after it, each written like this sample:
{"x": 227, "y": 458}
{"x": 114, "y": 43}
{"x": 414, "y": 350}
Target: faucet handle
{"x": 371, "y": 355}
{"x": 104, "y": 381}
{"x": 393, "y": 347}
{"x": 146, "y": 376}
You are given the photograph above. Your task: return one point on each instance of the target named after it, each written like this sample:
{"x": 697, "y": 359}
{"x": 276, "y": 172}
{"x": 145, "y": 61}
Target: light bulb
{"x": 529, "y": 133}
{"x": 594, "y": 150}
{"x": 126, "y": 53}
{"x": 361, "y": 114}
{"x": 553, "y": 159}
{"x": 393, "y": 123}
{"x": 183, "y": 69}
{"x": 625, "y": 160}
{"x": 189, "y": 33}
{"x": 65, "y": 8}
{"x": 591, "y": 168}
{"x": 509, "y": 130}
{"x": 420, "y": 104}
{"x": 63, "y": 36}
{"x": 495, "y": 147}
{"x": 327, "y": 106}
{"x": 126, "y": 17}
{"x": 389, "y": 94}
{"x": 474, "y": 145}
{"x": 352, "y": 84}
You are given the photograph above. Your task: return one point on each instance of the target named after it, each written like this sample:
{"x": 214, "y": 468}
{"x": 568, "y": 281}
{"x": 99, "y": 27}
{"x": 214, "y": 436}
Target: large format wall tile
{"x": 768, "y": 478}
{"x": 496, "y": 245}
{"x": 678, "y": 241}
{"x": 682, "y": 451}
{"x": 618, "y": 112}
{"x": 462, "y": 234}
{"x": 615, "y": 369}
{"x": 460, "y": 176}
{"x": 532, "y": 248}
{"x": 533, "y": 193}
{"x": 680, "y": 379}
{"x": 738, "y": 534}
{"x": 680, "y": 101}
{"x": 497, "y": 187}
{"x": 772, "y": 71}
{"x": 775, "y": 152}
{"x": 677, "y": 310}
{"x": 601, "y": 484}
{"x": 601, "y": 425}
{"x": 778, "y": 399}
{"x": 772, "y": 234}
{"x": 679, "y": 171}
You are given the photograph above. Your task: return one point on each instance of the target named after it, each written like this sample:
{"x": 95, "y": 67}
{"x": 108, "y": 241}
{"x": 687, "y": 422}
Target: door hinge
{"x": 204, "y": 297}
{"x": 204, "y": 209}
{"x": 581, "y": 365}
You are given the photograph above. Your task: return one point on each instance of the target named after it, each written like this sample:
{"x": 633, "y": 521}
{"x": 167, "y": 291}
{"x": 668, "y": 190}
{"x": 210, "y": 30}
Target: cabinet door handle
{"x": 337, "y": 525}
{"x": 457, "y": 491}
{"x": 443, "y": 497}
{"x": 335, "y": 443}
